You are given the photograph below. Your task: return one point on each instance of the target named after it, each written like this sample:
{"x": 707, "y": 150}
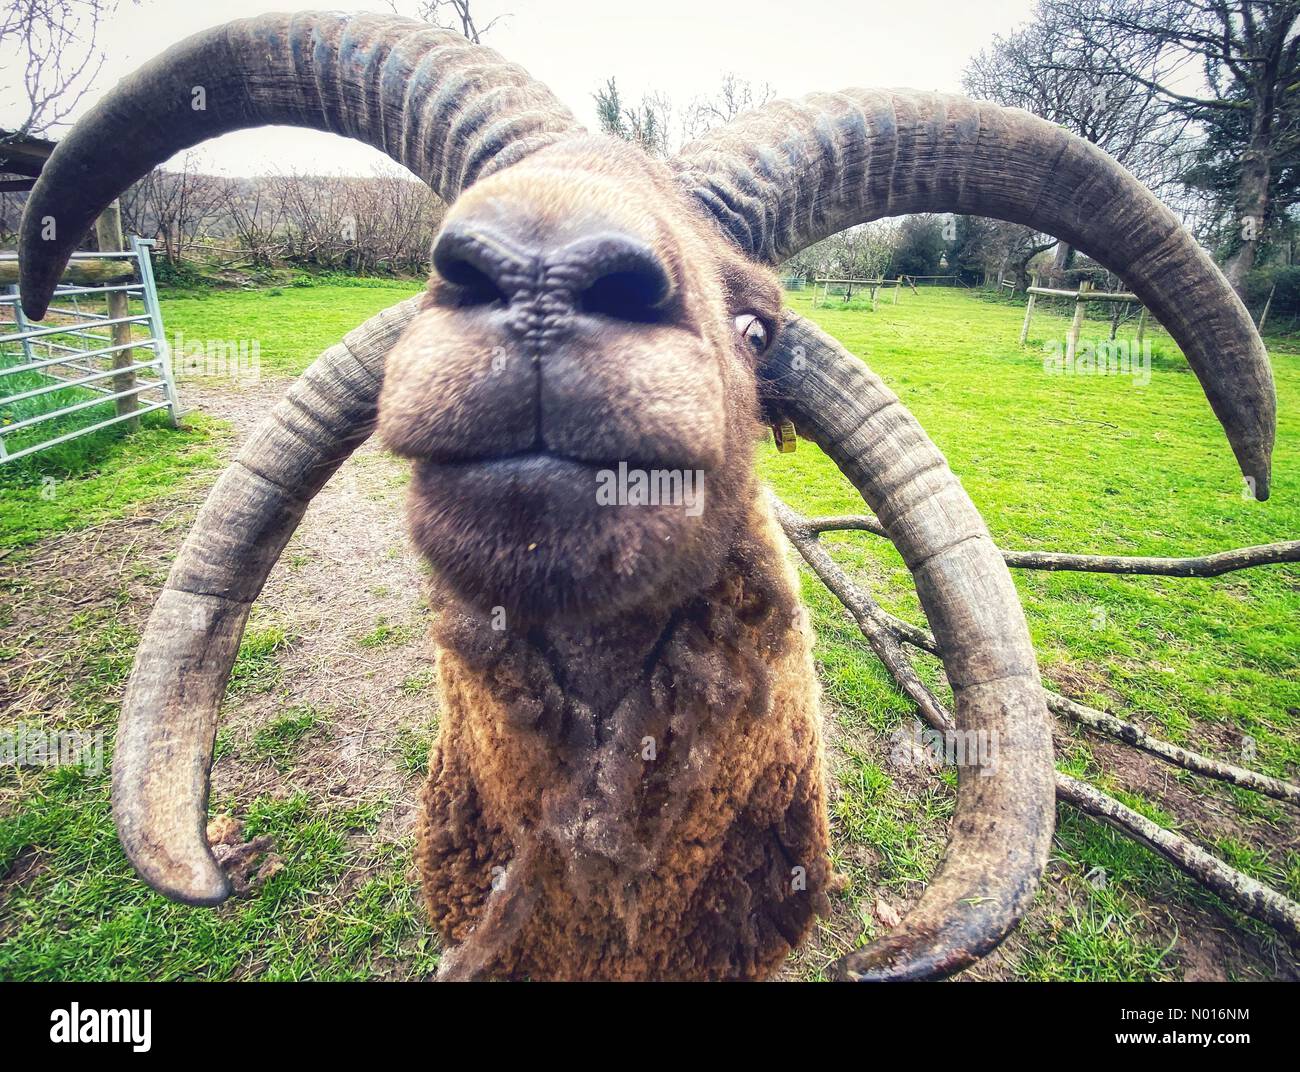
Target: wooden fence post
{"x": 1076, "y": 325}
{"x": 1029, "y": 310}
{"x": 898, "y": 285}
{"x": 108, "y": 232}
{"x": 1142, "y": 326}
{"x": 1264, "y": 315}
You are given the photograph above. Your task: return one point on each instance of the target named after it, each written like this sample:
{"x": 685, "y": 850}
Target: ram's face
{"x": 578, "y": 395}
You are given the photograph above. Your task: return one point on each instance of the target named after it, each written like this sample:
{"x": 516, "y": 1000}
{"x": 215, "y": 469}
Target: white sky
{"x": 679, "y": 47}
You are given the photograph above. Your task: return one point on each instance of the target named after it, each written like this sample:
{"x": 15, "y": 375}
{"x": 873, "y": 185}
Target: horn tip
{"x": 195, "y": 880}
{"x": 34, "y": 304}
{"x": 201, "y": 887}
{"x": 35, "y": 289}
{"x": 904, "y": 956}
{"x": 1258, "y": 478}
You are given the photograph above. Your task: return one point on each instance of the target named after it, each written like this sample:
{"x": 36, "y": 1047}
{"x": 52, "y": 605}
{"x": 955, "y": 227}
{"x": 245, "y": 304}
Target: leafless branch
{"x": 48, "y": 59}
{"x": 882, "y": 631}
{"x": 1214, "y": 565}
{"x": 455, "y": 15}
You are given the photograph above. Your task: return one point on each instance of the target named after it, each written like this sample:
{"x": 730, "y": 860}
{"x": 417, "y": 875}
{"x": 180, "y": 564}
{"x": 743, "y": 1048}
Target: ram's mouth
{"x": 525, "y": 466}
{"x": 549, "y": 486}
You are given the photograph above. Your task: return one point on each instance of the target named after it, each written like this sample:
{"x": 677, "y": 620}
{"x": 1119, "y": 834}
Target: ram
{"x": 627, "y": 780}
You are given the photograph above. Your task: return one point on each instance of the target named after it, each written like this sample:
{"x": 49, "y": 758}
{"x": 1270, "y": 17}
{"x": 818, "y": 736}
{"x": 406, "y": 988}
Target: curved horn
{"x": 448, "y": 110}
{"x": 791, "y": 173}
{"x": 169, "y": 713}
{"x": 1002, "y": 827}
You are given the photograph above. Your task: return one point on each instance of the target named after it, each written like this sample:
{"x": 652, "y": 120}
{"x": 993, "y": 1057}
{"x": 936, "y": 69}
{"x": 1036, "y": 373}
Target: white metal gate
{"x": 83, "y": 369}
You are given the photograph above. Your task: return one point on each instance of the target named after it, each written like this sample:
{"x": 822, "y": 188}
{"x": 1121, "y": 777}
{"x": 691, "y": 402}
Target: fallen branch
{"x": 1100, "y": 721}
{"x": 1239, "y": 890}
{"x": 1131, "y": 733}
{"x": 1215, "y": 565}
{"x": 1128, "y": 732}
{"x": 877, "y": 632}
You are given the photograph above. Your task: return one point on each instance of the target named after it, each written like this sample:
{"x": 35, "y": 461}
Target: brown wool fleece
{"x": 551, "y": 847}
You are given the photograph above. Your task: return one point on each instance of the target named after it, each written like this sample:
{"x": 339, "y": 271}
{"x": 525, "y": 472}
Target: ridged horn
{"x": 789, "y": 174}
{"x": 1002, "y": 826}
{"x": 168, "y": 724}
{"x": 448, "y": 110}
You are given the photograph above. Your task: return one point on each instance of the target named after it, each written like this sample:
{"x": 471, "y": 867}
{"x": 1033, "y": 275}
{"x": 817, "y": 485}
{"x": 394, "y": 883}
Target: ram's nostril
{"x": 608, "y": 273}
{"x": 476, "y": 287}
{"x": 626, "y": 279}
{"x": 624, "y": 296}
{"x": 474, "y": 262}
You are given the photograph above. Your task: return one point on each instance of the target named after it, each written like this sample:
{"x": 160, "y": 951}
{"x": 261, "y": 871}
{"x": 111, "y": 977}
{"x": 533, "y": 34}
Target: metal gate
{"x": 83, "y": 368}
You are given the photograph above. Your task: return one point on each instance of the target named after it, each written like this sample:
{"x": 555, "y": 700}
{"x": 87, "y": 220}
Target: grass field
{"x": 290, "y": 325}
{"x": 103, "y": 474}
{"x": 1065, "y": 462}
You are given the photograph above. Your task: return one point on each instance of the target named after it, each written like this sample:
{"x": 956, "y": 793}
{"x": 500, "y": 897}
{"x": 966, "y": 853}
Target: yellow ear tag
{"x": 784, "y": 434}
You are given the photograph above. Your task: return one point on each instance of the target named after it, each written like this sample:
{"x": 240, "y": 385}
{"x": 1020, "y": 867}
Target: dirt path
{"x": 348, "y": 597}
{"x": 344, "y": 661}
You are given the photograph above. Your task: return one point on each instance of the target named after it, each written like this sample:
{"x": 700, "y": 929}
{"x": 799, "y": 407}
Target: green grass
{"x": 83, "y": 913}
{"x": 23, "y": 409}
{"x": 386, "y": 634}
{"x": 94, "y": 476}
{"x": 291, "y": 326}
{"x": 413, "y": 747}
{"x": 1098, "y": 942}
{"x": 344, "y": 906}
{"x": 899, "y": 829}
{"x": 1084, "y": 463}
{"x": 102, "y": 476}
{"x": 256, "y": 668}
{"x": 1080, "y": 463}
{"x": 277, "y": 739}
{"x": 418, "y": 683}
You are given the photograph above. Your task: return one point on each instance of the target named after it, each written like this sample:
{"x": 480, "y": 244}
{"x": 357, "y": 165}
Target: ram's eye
{"x": 753, "y": 331}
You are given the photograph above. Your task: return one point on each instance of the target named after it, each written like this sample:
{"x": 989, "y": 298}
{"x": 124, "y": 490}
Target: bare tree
{"x": 647, "y": 124}
{"x": 1233, "y": 68}
{"x": 173, "y": 207}
{"x": 255, "y": 219}
{"x": 450, "y": 15}
{"x": 1045, "y": 67}
{"x": 992, "y": 249}
{"x": 862, "y": 252}
{"x": 48, "y": 59}
{"x": 734, "y": 96}
{"x": 393, "y": 221}
{"x": 651, "y": 122}
{"x": 318, "y": 220}
{"x": 383, "y": 222}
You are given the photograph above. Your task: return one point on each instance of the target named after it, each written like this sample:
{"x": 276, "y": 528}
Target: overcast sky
{"x": 679, "y": 47}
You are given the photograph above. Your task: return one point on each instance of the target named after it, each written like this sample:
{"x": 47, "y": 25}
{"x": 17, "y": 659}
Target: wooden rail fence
{"x": 1081, "y": 298}
{"x": 875, "y": 286}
